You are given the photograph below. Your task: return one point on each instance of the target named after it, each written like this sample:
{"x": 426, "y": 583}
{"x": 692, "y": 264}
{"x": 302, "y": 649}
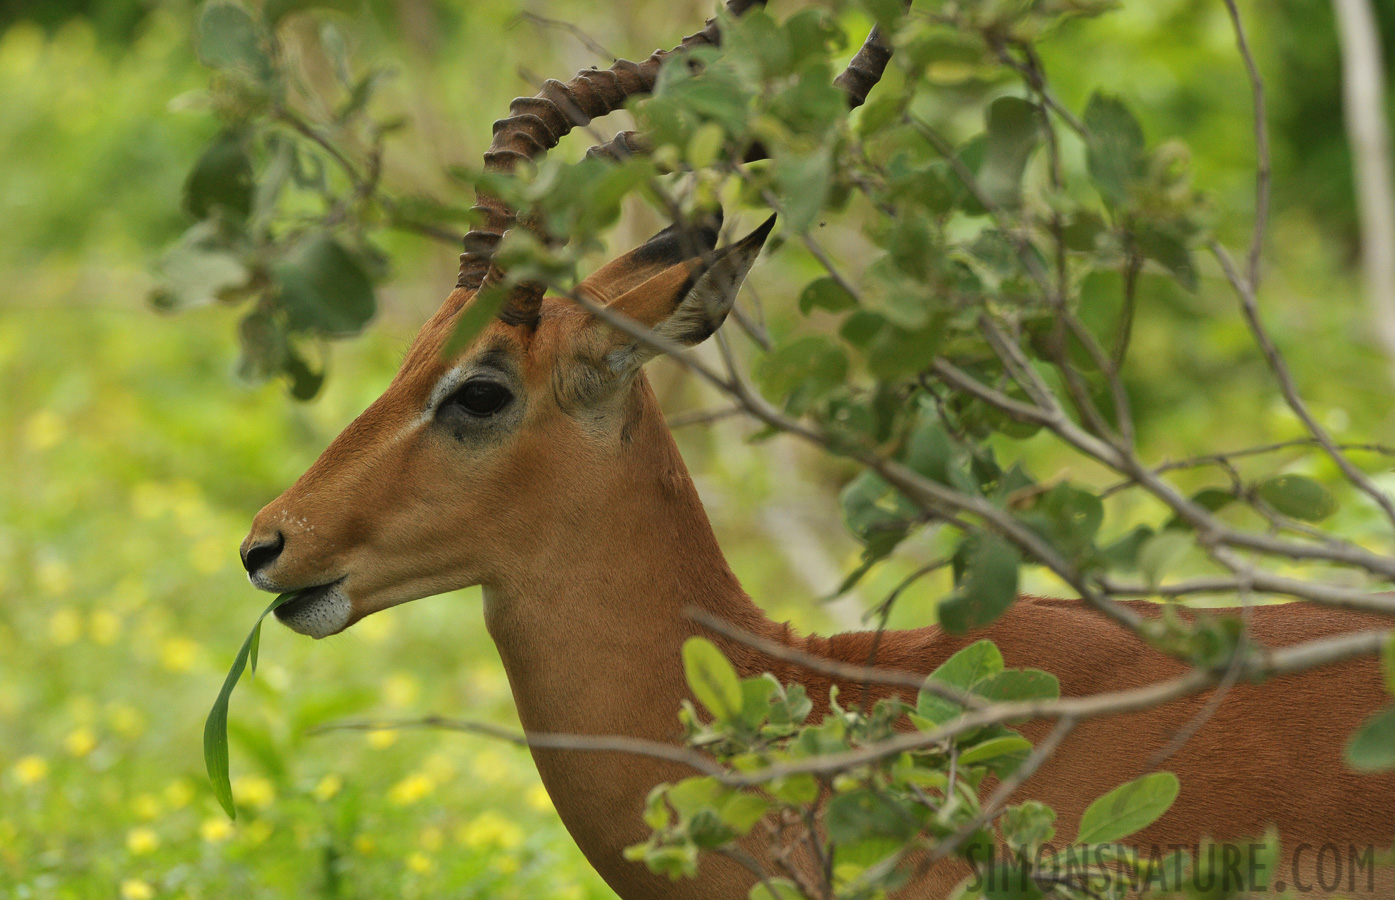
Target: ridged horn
{"x": 534, "y": 126}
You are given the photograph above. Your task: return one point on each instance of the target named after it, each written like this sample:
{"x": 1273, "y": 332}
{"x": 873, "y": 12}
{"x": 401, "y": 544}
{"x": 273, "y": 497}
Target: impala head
{"x": 469, "y": 461}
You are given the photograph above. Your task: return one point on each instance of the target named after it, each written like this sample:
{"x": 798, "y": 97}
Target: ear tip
{"x": 762, "y": 231}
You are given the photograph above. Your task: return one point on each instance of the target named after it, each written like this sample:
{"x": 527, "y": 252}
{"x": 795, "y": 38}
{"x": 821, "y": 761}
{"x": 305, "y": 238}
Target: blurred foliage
{"x": 138, "y": 460}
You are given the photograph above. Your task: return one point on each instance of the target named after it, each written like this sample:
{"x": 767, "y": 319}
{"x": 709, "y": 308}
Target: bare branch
{"x": 601, "y": 743}
{"x": 1261, "y": 126}
{"x": 1250, "y": 308}
{"x": 834, "y": 668}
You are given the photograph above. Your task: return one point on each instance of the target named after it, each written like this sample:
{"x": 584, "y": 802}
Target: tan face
{"x": 465, "y": 466}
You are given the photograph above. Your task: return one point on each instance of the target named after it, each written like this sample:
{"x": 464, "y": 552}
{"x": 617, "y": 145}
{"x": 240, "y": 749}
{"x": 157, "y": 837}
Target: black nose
{"x": 264, "y": 554}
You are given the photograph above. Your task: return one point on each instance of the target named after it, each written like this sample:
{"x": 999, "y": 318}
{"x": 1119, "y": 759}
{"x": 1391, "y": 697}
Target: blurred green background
{"x": 133, "y": 459}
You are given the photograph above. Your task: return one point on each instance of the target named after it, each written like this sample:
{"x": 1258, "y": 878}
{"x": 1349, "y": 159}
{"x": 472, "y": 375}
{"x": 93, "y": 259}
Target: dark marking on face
{"x": 699, "y": 334}
{"x": 678, "y": 243}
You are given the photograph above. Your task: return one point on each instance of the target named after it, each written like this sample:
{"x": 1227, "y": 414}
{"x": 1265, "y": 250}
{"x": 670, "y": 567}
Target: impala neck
{"x": 591, "y": 629}
{"x": 591, "y": 633}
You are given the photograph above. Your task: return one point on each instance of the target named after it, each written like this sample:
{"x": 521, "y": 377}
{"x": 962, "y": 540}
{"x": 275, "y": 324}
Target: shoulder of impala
{"x": 536, "y": 462}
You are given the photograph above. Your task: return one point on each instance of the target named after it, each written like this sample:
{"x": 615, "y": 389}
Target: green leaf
{"x": 1160, "y": 551}
{"x": 1297, "y": 497}
{"x": 1372, "y": 748}
{"x": 1020, "y": 685}
{"x": 980, "y": 660}
{"x": 825, "y": 293}
{"x": 1128, "y": 808}
{"x": 994, "y": 748}
{"x": 966, "y": 668}
{"x": 215, "y": 727}
{"x": 862, "y": 814}
{"x": 1014, "y": 130}
{"x": 712, "y": 678}
{"x": 1010, "y": 881}
{"x": 803, "y": 182}
{"x": 1168, "y": 249}
{"x": 988, "y": 586}
{"x": 1114, "y": 147}
{"x": 776, "y": 889}
{"x": 324, "y": 289}
{"x": 479, "y": 312}
{"x": 221, "y": 180}
{"x": 928, "y": 449}
{"x": 198, "y": 270}
{"x": 228, "y": 39}
{"x": 1123, "y": 553}
{"x": 1387, "y": 658}
{"x": 742, "y": 811}
{"x": 796, "y": 789}
{"x": 801, "y": 371}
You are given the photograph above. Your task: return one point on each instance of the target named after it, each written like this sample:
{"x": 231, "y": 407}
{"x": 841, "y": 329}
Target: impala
{"x": 536, "y": 462}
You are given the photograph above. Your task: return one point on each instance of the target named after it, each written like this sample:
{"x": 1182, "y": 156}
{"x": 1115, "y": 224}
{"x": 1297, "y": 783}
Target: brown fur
{"x": 590, "y": 540}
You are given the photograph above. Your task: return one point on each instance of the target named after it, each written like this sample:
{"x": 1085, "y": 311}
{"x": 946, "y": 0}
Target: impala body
{"x": 536, "y": 462}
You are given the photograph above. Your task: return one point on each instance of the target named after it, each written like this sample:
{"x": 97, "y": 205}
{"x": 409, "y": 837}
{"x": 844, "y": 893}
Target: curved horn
{"x": 534, "y": 126}
{"x": 864, "y": 70}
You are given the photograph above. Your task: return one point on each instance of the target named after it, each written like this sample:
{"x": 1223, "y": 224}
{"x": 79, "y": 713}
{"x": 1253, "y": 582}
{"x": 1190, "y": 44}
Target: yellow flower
{"x": 328, "y": 787}
{"x": 177, "y": 654}
{"x": 439, "y": 767}
{"x": 537, "y": 798}
{"x": 505, "y": 865}
{"x": 210, "y": 554}
{"x": 216, "y": 829}
{"x": 257, "y": 832}
{"x": 54, "y": 577}
{"x": 64, "y": 627}
{"x": 141, "y": 841}
{"x": 431, "y": 838}
{"x": 30, "y": 769}
{"x": 80, "y": 742}
{"x": 126, "y": 720}
{"x": 490, "y": 831}
{"x": 44, "y": 430}
{"x": 135, "y": 889}
{"x": 490, "y": 767}
{"x": 420, "y": 863}
{"x": 254, "y": 791}
{"x": 381, "y": 739}
{"x": 146, "y": 806}
{"x": 364, "y": 844}
{"x": 148, "y": 500}
{"x": 178, "y": 793}
{"x": 401, "y": 689}
{"x": 105, "y": 627}
{"x": 411, "y": 789}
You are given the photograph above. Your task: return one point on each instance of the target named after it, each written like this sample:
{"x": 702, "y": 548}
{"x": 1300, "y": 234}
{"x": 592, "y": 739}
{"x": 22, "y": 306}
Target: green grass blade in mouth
{"x": 215, "y": 729}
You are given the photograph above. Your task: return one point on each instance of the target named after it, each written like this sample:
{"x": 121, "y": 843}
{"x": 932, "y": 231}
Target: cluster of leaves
{"x": 871, "y": 825}
{"x": 286, "y": 195}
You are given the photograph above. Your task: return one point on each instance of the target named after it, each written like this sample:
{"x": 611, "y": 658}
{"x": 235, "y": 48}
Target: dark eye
{"x": 481, "y": 398}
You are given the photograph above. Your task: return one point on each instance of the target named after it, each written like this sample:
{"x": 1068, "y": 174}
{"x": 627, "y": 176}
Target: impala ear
{"x": 675, "y": 244}
{"x": 684, "y": 303}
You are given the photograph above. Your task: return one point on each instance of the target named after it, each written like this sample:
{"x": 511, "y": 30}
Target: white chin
{"x": 318, "y": 616}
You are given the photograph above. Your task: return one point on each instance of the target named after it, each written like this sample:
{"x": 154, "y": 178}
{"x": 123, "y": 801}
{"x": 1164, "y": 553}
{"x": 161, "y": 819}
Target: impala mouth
{"x": 317, "y": 611}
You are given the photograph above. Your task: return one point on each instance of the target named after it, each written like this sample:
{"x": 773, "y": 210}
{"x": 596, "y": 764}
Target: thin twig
{"x": 842, "y": 671}
{"x": 1250, "y": 308}
{"x": 601, "y": 743}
